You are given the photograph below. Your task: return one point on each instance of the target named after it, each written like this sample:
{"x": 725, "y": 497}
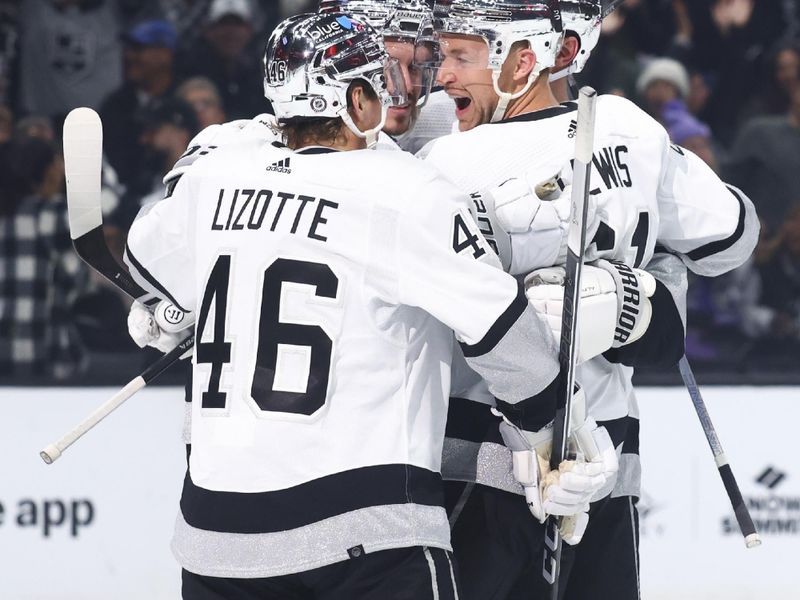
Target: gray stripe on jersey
{"x": 485, "y": 463}
{"x": 490, "y": 464}
{"x": 629, "y": 477}
{"x": 523, "y": 363}
{"x": 216, "y": 554}
{"x": 186, "y": 434}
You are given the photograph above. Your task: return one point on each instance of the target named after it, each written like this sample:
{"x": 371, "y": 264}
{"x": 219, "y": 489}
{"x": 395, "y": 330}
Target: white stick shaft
{"x": 52, "y": 452}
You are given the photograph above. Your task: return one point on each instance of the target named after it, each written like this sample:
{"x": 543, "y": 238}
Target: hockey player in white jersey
{"x": 407, "y": 30}
{"x": 497, "y": 58}
{"x": 327, "y": 282}
{"x": 407, "y": 27}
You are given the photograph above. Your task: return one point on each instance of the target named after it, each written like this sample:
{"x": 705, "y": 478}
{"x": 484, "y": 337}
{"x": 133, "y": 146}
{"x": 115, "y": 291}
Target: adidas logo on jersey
{"x": 282, "y": 166}
{"x": 573, "y": 129}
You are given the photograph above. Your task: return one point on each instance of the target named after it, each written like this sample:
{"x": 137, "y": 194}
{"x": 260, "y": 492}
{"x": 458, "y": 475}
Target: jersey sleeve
{"x": 160, "y": 249}
{"x": 712, "y": 226}
{"x": 446, "y": 268}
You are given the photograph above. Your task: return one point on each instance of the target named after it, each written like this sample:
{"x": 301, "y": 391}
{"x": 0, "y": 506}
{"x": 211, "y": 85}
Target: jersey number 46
{"x": 271, "y": 334}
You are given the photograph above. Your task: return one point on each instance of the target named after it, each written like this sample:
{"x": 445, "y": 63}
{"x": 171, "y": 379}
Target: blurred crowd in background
{"x": 723, "y": 77}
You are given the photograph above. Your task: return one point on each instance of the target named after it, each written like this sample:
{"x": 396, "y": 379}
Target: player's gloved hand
{"x": 614, "y": 309}
{"x": 635, "y": 287}
{"x": 568, "y": 491}
{"x": 597, "y": 312}
{"x": 163, "y": 329}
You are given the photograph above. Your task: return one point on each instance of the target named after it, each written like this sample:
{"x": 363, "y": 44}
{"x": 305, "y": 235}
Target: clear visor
{"x": 461, "y": 52}
{"x": 349, "y": 62}
{"x": 397, "y": 92}
{"x": 427, "y": 59}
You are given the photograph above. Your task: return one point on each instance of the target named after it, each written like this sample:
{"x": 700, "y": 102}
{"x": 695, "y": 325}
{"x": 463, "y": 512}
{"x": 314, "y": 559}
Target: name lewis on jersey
{"x": 610, "y": 164}
{"x": 286, "y": 212}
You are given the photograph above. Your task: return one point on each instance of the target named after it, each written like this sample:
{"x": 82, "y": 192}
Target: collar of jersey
{"x": 308, "y": 149}
{"x": 545, "y": 113}
{"x": 316, "y": 150}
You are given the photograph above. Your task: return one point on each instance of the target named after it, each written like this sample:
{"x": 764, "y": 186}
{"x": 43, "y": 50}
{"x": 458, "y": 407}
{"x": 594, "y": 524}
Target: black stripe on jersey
{"x": 722, "y": 245}
{"x": 545, "y": 113}
{"x": 664, "y": 342}
{"x": 624, "y": 430}
{"x": 150, "y": 279}
{"x": 501, "y": 326}
{"x": 310, "y": 502}
{"x": 316, "y": 150}
{"x": 469, "y": 420}
{"x": 535, "y": 412}
{"x": 170, "y": 186}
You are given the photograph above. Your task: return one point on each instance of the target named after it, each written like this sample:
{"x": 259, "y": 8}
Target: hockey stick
{"x": 748, "y": 529}
{"x": 611, "y": 7}
{"x": 83, "y": 162}
{"x": 576, "y": 245}
{"x": 53, "y": 451}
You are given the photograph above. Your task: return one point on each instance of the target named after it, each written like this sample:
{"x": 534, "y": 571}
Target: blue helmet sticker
{"x": 344, "y": 22}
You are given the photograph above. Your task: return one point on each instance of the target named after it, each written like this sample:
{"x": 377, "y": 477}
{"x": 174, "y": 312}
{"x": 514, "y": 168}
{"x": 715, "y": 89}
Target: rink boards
{"x": 97, "y": 524}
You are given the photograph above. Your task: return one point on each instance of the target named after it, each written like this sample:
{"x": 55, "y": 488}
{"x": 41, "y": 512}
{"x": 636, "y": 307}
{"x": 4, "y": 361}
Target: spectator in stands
{"x": 664, "y": 86}
{"x": 204, "y": 98}
{"x": 230, "y": 56}
{"x": 41, "y": 277}
{"x": 36, "y": 127}
{"x": 70, "y": 55}
{"x": 729, "y": 42}
{"x": 765, "y": 163}
{"x": 780, "y": 279}
{"x": 149, "y": 77}
{"x": 167, "y": 130}
{"x": 783, "y": 76}
{"x": 186, "y": 16}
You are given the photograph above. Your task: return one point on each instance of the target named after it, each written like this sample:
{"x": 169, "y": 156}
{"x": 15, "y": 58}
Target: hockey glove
{"x": 634, "y": 290}
{"x": 614, "y": 309}
{"x": 162, "y": 329}
{"x": 568, "y": 491}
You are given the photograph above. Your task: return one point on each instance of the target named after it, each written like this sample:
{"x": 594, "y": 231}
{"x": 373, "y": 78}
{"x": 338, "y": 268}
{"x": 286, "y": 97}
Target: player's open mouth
{"x": 462, "y": 104}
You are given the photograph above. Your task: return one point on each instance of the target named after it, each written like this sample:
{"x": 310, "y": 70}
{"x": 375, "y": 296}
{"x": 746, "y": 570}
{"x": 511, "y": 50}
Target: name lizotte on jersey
{"x": 248, "y": 209}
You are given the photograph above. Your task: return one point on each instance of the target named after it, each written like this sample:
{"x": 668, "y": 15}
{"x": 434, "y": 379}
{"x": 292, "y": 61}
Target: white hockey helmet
{"x": 405, "y": 20}
{"x": 502, "y": 23}
{"x": 584, "y": 18}
{"x": 311, "y": 60}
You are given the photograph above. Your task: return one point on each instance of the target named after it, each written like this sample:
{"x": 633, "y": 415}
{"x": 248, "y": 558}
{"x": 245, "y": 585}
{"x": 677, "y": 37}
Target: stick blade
{"x": 83, "y": 164}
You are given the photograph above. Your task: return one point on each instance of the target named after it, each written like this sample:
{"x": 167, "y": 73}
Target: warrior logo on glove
{"x": 170, "y": 314}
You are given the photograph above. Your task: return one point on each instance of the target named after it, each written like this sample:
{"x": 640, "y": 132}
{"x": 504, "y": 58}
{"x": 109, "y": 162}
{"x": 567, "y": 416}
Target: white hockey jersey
{"x": 326, "y": 287}
{"x": 263, "y": 128}
{"x": 649, "y": 194}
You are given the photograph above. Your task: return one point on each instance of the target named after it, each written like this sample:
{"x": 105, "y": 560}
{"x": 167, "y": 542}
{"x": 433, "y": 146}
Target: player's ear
{"x": 568, "y": 51}
{"x": 519, "y": 64}
{"x": 362, "y": 104}
{"x": 526, "y": 61}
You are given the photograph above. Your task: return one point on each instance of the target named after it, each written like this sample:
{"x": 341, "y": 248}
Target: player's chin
{"x": 398, "y": 120}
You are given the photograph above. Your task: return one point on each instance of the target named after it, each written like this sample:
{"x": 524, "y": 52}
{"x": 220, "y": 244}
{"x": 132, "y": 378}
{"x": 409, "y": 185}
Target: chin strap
{"x": 370, "y": 135}
{"x": 505, "y": 97}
